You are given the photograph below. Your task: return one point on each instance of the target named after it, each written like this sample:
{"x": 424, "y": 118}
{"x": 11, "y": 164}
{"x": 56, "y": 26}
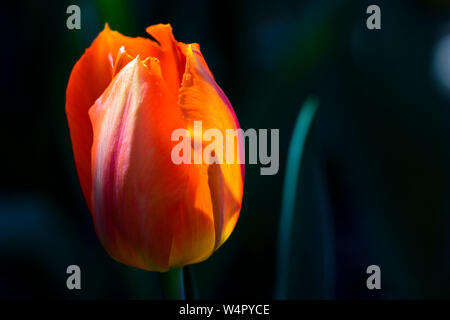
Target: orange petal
{"x": 89, "y": 78}
{"x": 140, "y": 196}
{"x": 171, "y": 57}
{"x": 202, "y": 99}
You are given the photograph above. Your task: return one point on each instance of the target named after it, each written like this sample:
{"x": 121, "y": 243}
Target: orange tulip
{"x": 124, "y": 99}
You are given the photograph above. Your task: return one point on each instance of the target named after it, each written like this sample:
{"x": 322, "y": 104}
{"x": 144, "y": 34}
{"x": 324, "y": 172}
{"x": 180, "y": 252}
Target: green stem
{"x": 172, "y": 284}
{"x": 190, "y": 283}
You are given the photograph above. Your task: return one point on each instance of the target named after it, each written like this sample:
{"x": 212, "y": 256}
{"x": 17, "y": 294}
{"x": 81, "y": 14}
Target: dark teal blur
{"x": 373, "y": 183}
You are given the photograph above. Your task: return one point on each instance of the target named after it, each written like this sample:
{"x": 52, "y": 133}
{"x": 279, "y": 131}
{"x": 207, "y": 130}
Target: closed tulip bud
{"x": 125, "y": 98}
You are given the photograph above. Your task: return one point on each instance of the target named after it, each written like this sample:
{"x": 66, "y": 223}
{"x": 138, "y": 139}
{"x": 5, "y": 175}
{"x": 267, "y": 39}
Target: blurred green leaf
{"x": 294, "y": 160}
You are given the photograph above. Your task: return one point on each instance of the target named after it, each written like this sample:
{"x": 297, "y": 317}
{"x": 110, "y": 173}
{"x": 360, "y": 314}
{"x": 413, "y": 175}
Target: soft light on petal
{"x": 89, "y": 78}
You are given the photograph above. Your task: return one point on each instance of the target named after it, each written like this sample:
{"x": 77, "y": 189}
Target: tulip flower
{"x": 124, "y": 98}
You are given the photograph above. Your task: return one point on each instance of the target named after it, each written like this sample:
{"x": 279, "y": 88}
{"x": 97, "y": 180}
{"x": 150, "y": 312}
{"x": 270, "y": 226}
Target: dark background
{"x": 374, "y": 173}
